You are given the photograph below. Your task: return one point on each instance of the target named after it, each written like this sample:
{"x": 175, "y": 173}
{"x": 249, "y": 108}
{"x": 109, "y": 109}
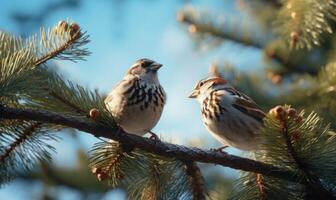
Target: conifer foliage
{"x": 27, "y": 82}
{"x": 22, "y": 75}
{"x": 301, "y": 147}
{"x": 297, "y": 45}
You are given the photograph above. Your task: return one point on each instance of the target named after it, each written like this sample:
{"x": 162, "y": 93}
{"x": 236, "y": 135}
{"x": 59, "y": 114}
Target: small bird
{"x": 136, "y": 102}
{"x": 232, "y": 117}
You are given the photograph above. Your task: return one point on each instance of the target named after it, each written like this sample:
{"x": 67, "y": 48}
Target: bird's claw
{"x": 153, "y": 136}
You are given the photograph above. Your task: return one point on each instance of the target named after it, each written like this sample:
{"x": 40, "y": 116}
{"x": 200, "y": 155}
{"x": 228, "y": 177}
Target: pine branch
{"x": 288, "y": 65}
{"x": 106, "y": 162}
{"x": 204, "y": 27}
{"x": 11, "y": 44}
{"x": 63, "y": 96}
{"x": 19, "y": 58}
{"x": 65, "y": 177}
{"x": 155, "y": 177}
{"x": 151, "y": 188}
{"x": 196, "y": 180}
{"x": 320, "y": 97}
{"x": 26, "y": 133}
{"x": 66, "y": 102}
{"x": 22, "y": 146}
{"x": 144, "y": 175}
{"x": 71, "y": 43}
{"x": 314, "y": 185}
{"x": 302, "y": 23}
{"x": 314, "y": 149}
{"x": 160, "y": 148}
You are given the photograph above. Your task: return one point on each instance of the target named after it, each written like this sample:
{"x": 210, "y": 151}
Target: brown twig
{"x": 65, "y": 177}
{"x": 224, "y": 34}
{"x": 196, "y": 180}
{"x": 26, "y": 133}
{"x": 155, "y": 147}
{"x": 217, "y": 31}
{"x": 291, "y": 67}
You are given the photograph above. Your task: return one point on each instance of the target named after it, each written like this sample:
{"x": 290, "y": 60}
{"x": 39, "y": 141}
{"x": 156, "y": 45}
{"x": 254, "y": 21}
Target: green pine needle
{"x": 144, "y": 175}
{"x": 22, "y": 146}
{"x": 314, "y": 146}
{"x": 303, "y": 22}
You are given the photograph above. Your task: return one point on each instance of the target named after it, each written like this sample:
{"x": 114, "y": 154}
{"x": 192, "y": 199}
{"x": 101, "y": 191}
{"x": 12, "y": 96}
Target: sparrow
{"x": 230, "y": 116}
{"x": 137, "y": 101}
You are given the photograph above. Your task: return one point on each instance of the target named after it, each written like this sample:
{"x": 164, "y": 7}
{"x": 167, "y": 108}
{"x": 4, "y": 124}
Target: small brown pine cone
{"x": 279, "y": 109}
{"x": 75, "y": 31}
{"x": 292, "y": 112}
{"x": 278, "y": 112}
{"x": 95, "y": 170}
{"x": 102, "y": 176}
{"x": 94, "y": 113}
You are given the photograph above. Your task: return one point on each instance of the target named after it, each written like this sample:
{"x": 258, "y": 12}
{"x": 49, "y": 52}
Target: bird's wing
{"x": 108, "y": 98}
{"x": 124, "y": 86}
{"x": 246, "y": 105}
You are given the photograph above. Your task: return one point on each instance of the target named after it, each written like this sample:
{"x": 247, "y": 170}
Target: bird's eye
{"x": 146, "y": 63}
{"x": 201, "y": 84}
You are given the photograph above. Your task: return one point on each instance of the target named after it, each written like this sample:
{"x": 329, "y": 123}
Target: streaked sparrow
{"x": 137, "y": 101}
{"x": 232, "y": 117}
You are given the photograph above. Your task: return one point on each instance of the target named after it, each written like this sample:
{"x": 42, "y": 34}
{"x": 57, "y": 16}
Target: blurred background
{"x": 233, "y": 37}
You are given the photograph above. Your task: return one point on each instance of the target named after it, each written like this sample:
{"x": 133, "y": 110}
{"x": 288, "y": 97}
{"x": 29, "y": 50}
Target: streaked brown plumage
{"x": 231, "y": 116}
{"x": 137, "y": 101}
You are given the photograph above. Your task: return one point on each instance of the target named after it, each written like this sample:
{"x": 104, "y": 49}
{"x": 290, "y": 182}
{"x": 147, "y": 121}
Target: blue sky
{"x": 122, "y": 32}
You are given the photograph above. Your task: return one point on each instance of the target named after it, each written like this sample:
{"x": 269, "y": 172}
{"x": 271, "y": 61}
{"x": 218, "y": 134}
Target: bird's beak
{"x": 194, "y": 94}
{"x": 156, "y": 66}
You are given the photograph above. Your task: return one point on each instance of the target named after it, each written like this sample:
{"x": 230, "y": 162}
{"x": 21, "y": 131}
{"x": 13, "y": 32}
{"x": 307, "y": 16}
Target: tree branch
{"x": 75, "y": 36}
{"x": 65, "y": 177}
{"x": 156, "y": 147}
{"x": 221, "y": 33}
{"x": 196, "y": 180}
{"x": 26, "y": 133}
{"x": 314, "y": 185}
{"x": 218, "y": 32}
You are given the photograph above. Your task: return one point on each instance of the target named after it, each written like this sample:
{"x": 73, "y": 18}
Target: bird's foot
{"x": 153, "y": 136}
{"x": 220, "y": 150}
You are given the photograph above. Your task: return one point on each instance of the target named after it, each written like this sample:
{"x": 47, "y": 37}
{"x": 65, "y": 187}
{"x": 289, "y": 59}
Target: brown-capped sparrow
{"x": 136, "y": 102}
{"x": 232, "y": 117}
